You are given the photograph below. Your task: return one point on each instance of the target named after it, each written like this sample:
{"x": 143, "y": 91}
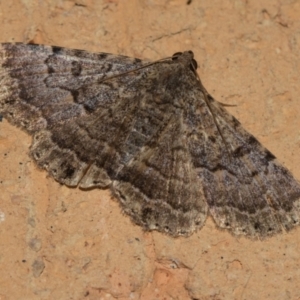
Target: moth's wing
{"x": 159, "y": 188}
{"x": 246, "y": 189}
{"x": 124, "y": 132}
{"x": 54, "y": 93}
{"x": 43, "y": 85}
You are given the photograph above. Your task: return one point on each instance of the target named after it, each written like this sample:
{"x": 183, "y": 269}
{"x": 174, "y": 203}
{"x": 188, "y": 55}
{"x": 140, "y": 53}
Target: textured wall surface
{"x": 62, "y": 243}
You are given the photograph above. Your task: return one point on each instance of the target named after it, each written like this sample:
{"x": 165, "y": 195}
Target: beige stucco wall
{"x": 61, "y": 243}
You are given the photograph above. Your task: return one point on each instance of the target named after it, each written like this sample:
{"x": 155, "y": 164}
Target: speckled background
{"x": 62, "y": 243}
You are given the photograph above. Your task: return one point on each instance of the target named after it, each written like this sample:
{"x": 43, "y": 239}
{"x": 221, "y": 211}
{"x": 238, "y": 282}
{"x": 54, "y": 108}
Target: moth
{"x": 150, "y": 132}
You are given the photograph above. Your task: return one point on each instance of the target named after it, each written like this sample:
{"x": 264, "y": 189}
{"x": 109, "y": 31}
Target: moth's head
{"x": 186, "y": 58}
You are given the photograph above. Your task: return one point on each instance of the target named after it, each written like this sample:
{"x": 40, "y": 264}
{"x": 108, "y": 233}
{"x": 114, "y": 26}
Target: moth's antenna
{"x": 136, "y": 69}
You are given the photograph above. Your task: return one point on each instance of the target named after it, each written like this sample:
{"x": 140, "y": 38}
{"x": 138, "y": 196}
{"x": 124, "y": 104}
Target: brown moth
{"x": 151, "y": 133}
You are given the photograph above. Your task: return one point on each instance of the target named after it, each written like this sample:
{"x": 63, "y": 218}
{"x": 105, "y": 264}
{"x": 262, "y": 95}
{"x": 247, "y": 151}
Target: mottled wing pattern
{"x": 123, "y": 132}
{"x": 151, "y": 133}
{"x": 43, "y": 85}
{"x": 246, "y": 189}
{"x": 51, "y": 91}
{"x": 160, "y": 188}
